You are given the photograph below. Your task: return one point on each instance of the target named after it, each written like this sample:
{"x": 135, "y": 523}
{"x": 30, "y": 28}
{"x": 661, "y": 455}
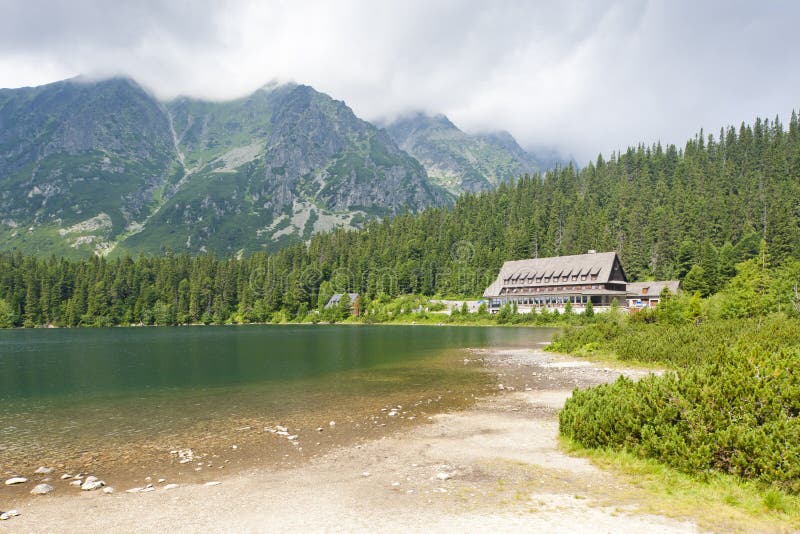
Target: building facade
{"x": 578, "y": 279}
{"x": 648, "y": 294}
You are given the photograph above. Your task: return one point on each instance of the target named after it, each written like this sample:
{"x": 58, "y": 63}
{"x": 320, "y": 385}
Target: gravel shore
{"x": 493, "y": 467}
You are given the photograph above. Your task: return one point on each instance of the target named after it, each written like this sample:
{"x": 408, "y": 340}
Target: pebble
{"x": 134, "y": 490}
{"x": 16, "y": 480}
{"x": 162, "y": 480}
{"x": 75, "y": 483}
{"x": 395, "y": 484}
{"x": 108, "y": 490}
{"x": 365, "y": 474}
{"x": 332, "y": 423}
{"x": 65, "y": 476}
{"x": 170, "y": 486}
{"x": 184, "y": 455}
{"x": 42, "y": 489}
{"x": 43, "y": 471}
{"x": 214, "y": 483}
{"x": 92, "y": 483}
{"x": 320, "y": 429}
{"x": 443, "y": 476}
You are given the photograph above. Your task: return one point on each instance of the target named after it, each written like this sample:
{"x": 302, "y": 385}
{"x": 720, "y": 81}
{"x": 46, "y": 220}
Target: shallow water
{"x": 105, "y": 398}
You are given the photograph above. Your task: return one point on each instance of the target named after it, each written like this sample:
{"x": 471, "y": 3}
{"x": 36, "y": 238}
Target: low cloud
{"x": 585, "y": 77}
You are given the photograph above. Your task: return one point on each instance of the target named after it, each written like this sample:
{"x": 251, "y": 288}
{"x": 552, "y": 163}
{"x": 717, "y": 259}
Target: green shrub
{"x": 733, "y": 407}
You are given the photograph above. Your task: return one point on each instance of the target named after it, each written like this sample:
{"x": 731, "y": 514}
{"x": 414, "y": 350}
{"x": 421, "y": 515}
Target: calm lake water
{"x": 109, "y": 397}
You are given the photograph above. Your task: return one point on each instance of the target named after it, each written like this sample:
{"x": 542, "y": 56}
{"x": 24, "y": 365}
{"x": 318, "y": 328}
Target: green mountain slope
{"x": 101, "y": 166}
{"x": 79, "y": 161}
{"x": 461, "y": 162}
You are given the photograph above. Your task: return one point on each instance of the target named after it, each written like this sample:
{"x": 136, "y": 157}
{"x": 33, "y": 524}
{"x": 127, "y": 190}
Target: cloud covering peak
{"x": 583, "y": 76}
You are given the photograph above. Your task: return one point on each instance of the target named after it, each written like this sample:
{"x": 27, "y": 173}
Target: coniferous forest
{"x": 690, "y": 213}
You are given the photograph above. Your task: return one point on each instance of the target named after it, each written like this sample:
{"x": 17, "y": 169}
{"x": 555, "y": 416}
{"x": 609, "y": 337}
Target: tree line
{"x": 690, "y": 213}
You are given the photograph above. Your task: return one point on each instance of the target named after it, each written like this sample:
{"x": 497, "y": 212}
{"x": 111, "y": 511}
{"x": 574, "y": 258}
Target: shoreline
{"x": 493, "y": 465}
{"x": 555, "y": 324}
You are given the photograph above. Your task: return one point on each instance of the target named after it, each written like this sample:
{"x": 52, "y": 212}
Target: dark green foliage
{"x": 733, "y": 408}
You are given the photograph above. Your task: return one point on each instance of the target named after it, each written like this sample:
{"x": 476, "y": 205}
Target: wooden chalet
{"x": 553, "y": 282}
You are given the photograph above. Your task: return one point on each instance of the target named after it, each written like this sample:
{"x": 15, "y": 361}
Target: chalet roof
{"x": 636, "y": 289}
{"x": 599, "y": 264}
{"x": 336, "y": 297}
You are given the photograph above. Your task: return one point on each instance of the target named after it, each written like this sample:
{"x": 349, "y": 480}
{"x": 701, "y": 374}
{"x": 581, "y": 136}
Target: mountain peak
{"x": 459, "y": 161}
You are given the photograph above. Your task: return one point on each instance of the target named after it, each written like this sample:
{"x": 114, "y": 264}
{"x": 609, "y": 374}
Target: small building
{"x": 578, "y": 279}
{"x": 648, "y": 294}
{"x": 333, "y": 302}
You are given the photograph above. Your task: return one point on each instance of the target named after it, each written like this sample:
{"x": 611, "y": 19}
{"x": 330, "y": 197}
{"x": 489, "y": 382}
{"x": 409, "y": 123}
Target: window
{"x": 574, "y": 277}
{"x": 594, "y": 277}
{"x": 583, "y": 278}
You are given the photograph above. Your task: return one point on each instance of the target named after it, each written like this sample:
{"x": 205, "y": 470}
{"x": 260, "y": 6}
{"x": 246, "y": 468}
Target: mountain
{"x": 103, "y": 166}
{"x": 461, "y": 162}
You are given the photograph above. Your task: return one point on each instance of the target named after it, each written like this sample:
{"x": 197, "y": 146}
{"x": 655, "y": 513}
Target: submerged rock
{"x": 16, "y": 480}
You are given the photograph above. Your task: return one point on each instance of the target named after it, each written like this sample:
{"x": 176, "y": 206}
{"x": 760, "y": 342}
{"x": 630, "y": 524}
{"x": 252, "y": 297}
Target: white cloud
{"x": 583, "y": 76}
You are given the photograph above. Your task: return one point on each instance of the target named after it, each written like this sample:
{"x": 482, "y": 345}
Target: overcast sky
{"x": 585, "y": 77}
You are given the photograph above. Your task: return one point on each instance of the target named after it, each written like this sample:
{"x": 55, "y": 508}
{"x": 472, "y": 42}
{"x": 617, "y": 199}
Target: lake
{"x": 126, "y": 399}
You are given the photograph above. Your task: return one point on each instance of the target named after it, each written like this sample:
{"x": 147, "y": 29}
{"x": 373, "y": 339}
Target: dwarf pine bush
{"x": 732, "y": 405}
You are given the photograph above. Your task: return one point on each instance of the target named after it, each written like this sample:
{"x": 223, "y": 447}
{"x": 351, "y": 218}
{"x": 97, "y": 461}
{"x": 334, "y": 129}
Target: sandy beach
{"x": 493, "y": 467}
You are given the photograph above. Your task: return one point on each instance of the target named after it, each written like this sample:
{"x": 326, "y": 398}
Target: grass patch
{"x": 714, "y": 501}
